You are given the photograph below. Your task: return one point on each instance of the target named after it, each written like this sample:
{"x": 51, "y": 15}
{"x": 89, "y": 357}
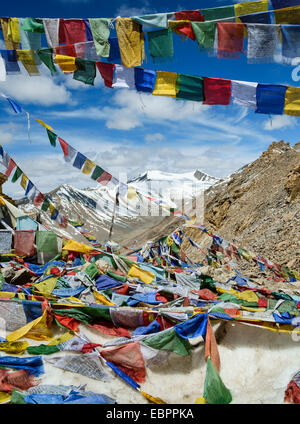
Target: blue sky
{"x": 124, "y": 131}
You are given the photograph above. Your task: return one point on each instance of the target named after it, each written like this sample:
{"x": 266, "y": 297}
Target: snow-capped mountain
{"x": 94, "y": 206}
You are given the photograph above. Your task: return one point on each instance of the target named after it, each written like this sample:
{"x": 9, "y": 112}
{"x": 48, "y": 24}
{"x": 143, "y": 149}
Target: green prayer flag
{"x": 100, "y": 28}
{"x": 46, "y": 57}
{"x": 92, "y": 270}
{"x": 97, "y": 172}
{"x": 207, "y": 282}
{"x": 45, "y": 205}
{"x": 85, "y": 72}
{"x": 215, "y": 392}
{"x": 52, "y": 137}
{"x": 160, "y": 44}
{"x": 205, "y": 34}
{"x": 189, "y": 88}
{"x": 16, "y": 175}
{"x": 169, "y": 340}
{"x": 42, "y": 349}
{"x": 33, "y": 25}
{"x": 122, "y": 278}
{"x": 216, "y": 13}
{"x": 17, "y": 398}
{"x": 46, "y": 241}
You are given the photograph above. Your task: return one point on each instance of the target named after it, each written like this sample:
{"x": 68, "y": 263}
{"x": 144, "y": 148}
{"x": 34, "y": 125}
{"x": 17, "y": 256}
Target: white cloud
{"x": 127, "y": 11}
{"x": 154, "y": 137}
{"x": 279, "y": 121}
{"x": 39, "y": 90}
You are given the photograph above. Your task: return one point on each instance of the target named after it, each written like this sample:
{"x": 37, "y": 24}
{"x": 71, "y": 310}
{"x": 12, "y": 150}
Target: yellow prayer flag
{"x": 102, "y": 299}
{"x": 287, "y": 16}
{"x": 14, "y": 347}
{"x": 44, "y": 125}
{"x": 75, "y": 246}
{"x": 61, "y": 339}
{"x": 131, "y": 193}
{"x": 9, "y": 45}
{"x": 21, "y": 332}
{"x": 23, "y": 181}
{"x": 247, "y": 295}
{"x": 250, "y": 7}
{"x": 52, "y": 209}
{"x": 4, "y": 397}
{"x": 66, "y": 63}
{"x": 8, "y": 295}
{"x": 28, "y": 60}
{"x": 200, "y": 400}
{"x": 47, "y": 286}
{"x": 292, "y": 101}
{"x": 165, "y": 84}
{"x": 143, "y": 275}
{"x": 296, "y": 275}
{"x": 156, "y": 400}
{"x": 88, "y": 166}
{"x": 131, "y": 42}
{"x": 13, "y": 31}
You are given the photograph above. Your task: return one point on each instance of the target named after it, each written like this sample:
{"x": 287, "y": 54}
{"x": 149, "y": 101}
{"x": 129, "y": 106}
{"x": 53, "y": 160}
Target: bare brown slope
{"x": 259, "y": 207}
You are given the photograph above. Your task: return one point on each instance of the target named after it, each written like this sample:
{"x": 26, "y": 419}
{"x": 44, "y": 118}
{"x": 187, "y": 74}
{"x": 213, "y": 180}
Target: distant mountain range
{"x": 94, "y": 206}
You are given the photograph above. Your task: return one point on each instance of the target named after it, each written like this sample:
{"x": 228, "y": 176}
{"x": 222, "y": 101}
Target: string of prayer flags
{"x": 131, "y": 42}
{"x": 270, "y": 98}
{"x": 217, "y": 91}
{"x": 100, "y": 28}
{"x": 165, "y": 84}
{"x": 205, "y": 34}
{"x": 160, "y": 44}
{"x": 230, "y": 39}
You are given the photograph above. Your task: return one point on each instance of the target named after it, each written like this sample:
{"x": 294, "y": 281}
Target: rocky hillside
{"x": 258, "y": 207}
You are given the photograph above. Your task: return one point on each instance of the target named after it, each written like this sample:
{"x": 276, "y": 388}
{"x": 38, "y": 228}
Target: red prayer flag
{"x": 217, "y": 91}
{"x": 71, "y": 31}
{"x": 211, "y": 347}
{"x": 67, "y": 322}
{"x": 104, "y": 178}
{"x": 107, "y": 327}
{"x": 129, "y": 359}
{"x": 189, "y": 15}
{"x": 107, "y": 72}
{"x": 39, "y": 198}
{"x": 187, "y": 30}
{"x": 230, "y": 39}
{"x": 64, "y": 146}
{"x": 68, "y": 50}
{"x": 11, "y": 166}
{"x": 24, "y": 242}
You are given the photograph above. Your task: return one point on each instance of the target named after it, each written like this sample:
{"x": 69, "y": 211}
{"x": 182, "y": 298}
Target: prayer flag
{"x": 217, "y": 91}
